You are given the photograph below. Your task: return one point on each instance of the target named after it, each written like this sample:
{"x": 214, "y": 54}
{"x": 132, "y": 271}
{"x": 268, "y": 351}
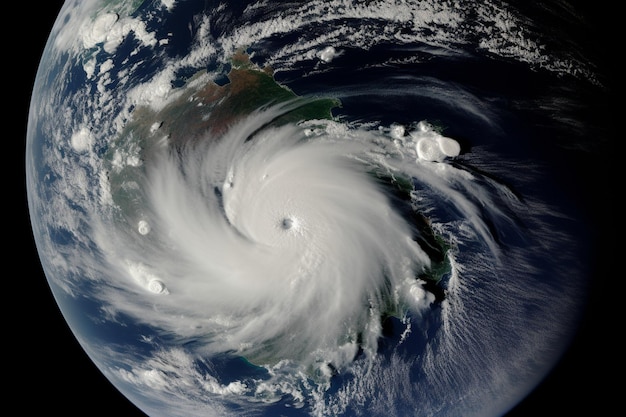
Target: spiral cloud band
{"x": 278, "y": 242}
{"x": 296, "y": 244}
{"x": 291, "y": 241}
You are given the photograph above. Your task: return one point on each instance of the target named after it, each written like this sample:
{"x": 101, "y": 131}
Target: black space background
{"x": 46, "y": 372}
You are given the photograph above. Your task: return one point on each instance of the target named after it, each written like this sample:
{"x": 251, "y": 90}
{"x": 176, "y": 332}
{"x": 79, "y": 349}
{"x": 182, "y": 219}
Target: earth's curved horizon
{"x": 230, "y": 224}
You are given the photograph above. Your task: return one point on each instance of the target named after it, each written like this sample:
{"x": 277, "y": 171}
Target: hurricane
{"x": 302, "y": 246}
{"x": 289, "y": 213}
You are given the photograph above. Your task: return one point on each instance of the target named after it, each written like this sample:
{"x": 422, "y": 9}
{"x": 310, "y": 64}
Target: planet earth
{"x": 342, "y": 208}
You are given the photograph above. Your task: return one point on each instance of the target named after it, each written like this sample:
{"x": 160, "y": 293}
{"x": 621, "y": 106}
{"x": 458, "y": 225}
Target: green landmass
{"x": 119, "y": 7}
{"x": 202, "y": 110}
{"x": 433, "y": 244}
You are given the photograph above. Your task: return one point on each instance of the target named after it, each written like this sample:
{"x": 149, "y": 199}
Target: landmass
{"x": 201, "y": 110}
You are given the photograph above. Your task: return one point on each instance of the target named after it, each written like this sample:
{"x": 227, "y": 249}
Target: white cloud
{"x": 169, "y": 4}
{"x": 81, "y": 140}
